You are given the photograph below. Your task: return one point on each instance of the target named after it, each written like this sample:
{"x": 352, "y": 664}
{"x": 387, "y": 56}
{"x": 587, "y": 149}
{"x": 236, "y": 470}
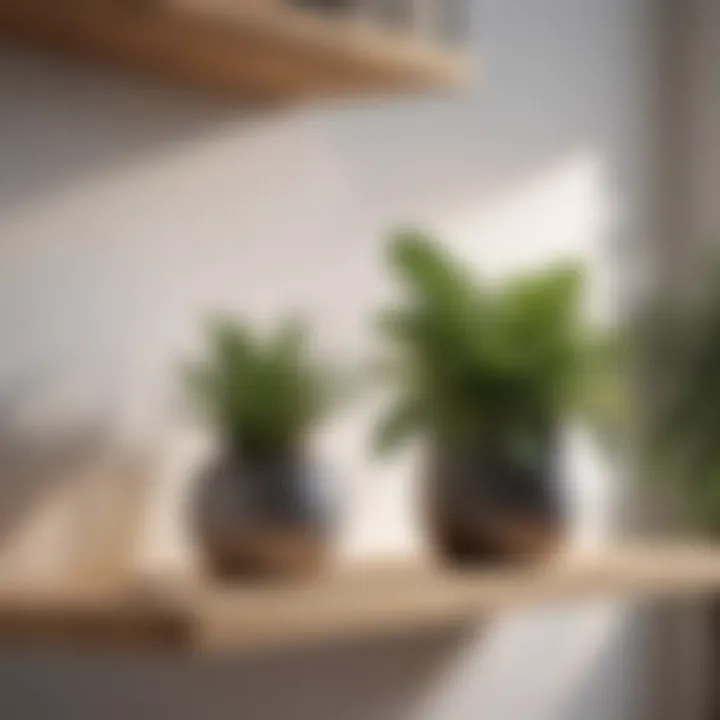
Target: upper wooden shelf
{"x": 257, "y": 49}
{"x": 206, "y": 618}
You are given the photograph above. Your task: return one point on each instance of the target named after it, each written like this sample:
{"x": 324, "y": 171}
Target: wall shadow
{"x": 101, "y": 121}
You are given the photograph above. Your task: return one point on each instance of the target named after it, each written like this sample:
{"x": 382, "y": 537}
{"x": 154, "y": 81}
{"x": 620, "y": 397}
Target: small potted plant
{"x": 486, "y": 374}
{"x": 262, "y": 507}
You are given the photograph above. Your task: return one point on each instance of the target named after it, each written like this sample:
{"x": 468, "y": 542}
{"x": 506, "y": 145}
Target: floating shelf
{"x": 263, "y": 49}
{"x": 203, "y": 618}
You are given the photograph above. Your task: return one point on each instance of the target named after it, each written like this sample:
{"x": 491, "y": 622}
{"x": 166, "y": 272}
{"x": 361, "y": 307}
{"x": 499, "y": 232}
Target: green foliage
{"x": 475, "y": 362}
{"x": 262, "y": 394}
{"x": 684, "y": 342}
{"x": 606, "y": 393}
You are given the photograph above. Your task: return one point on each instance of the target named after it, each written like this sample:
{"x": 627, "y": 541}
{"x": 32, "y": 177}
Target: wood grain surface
{"x": 260, "y": 50}
{"x": 199, "y": 615}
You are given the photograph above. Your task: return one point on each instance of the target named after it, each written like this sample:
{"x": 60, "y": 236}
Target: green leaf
{"x": 398, "y": 425}
{"x": 261, "y": 394}
{"x": 481, "y": 360}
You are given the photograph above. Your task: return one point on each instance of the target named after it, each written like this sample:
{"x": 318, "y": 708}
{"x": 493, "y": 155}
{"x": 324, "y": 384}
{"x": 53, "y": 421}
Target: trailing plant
{"x": 683, "y": 342}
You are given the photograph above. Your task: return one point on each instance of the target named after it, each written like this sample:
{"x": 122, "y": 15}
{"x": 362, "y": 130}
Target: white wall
{"x": 127, "y": 210}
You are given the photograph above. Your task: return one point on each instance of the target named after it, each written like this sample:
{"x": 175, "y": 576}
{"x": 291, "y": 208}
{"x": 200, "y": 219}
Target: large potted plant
{"x": 262, "y": 506}
{"x": 487, "y": 374}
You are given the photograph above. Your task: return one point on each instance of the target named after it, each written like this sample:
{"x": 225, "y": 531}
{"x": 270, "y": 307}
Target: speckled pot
{"x": 483, "y": 507}
{"x": 272, "y": 517}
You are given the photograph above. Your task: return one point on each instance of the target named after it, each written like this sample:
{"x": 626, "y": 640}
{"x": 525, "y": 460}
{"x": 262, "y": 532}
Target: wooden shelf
{"x": 256, "y": 48}
{"x": 366, "y": 601}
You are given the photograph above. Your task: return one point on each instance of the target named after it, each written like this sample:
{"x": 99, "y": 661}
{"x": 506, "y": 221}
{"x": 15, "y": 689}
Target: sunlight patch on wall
{"x": 565, "y": 212}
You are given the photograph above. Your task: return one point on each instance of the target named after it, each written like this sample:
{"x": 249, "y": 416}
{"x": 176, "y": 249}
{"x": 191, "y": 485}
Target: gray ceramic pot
{"x": 264, "y": 517}
{"x": 483, "y": 507}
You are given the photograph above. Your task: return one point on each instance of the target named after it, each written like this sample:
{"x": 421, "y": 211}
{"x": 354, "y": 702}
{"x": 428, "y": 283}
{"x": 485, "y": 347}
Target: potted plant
{"x": 262, "y": 507}
{"x": 681, "y": 346}
{"x": 486, "y": 374}
{"x": 677, "y": 337}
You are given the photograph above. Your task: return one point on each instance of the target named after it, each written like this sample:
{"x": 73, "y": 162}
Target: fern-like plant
{"x": 262, "y": 394}
{"x": 478, "y": 364}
